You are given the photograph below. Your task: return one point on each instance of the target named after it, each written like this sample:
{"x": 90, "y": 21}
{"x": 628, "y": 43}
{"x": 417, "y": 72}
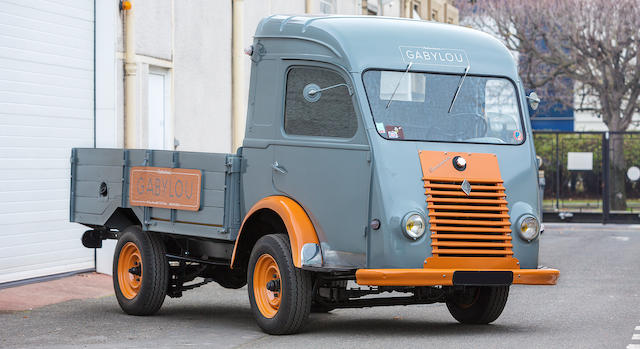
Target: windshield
{"x": 415, "y": 106}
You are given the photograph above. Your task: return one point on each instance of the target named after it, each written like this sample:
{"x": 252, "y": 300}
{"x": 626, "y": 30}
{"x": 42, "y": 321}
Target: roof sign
{"x": 434, "y": 56}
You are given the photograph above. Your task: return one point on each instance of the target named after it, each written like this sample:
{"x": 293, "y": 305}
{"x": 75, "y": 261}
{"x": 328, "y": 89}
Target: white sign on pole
{"x": 578, "y": 161}
{"x": 633, "y": 173}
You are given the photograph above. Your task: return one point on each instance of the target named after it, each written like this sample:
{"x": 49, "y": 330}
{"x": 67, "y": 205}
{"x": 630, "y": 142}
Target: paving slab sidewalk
{"x": 31, "y": 296}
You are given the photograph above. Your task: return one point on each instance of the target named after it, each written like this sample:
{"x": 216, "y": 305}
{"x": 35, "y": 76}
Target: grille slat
{"x": 471, "y": 229}
{"x": 469, "y": 222}
{"x": 460, "y": 193}
{"x": 473, "y": 187}
{"x": 470, "y": 237}
{"x": 470, "y": 244}
{"x": 443, "y": 180}
{"x": 462, "y": 252}
{"x": 469, "y": 215}
{"x": 460, "y": 208}
{"x": 465, "y": 200}
{"x": 468, "y": 225}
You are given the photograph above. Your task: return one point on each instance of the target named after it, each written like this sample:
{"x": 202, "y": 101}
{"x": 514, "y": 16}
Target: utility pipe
{"x": 130, "y": 119}
{"x": 237, "y": 76}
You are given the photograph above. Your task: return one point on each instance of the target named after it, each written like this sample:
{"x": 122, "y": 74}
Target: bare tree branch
{"x": 595, "y": 43}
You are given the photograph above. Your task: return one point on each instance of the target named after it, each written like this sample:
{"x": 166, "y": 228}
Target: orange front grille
{"x": 467, "y": 231}
{"x": 474, "y": 225}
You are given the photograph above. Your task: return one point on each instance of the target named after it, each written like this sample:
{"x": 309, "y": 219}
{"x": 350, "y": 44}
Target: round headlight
{"x": 413, "y": 225}
{"x": 529, "y": 227}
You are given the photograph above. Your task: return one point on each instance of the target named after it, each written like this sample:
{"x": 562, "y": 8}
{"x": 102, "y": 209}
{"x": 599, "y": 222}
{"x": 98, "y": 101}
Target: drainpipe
{"x": 307, "y": 6}
{"x": 130, "y": 120}
{"x": 237, "y": 76}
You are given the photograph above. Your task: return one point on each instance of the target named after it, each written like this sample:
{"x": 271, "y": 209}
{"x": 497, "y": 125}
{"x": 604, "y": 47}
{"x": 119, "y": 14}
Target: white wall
{"x": 46, "y": 108}
{"x": 589, "y": 120}
{"x": 109, "y": 129}
{"x": 202, "y": 65}
{"x": 154, "y": 31}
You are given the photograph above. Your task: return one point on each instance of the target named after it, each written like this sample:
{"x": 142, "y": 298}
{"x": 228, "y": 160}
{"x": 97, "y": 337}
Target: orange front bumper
{"x": 444, "y": 277}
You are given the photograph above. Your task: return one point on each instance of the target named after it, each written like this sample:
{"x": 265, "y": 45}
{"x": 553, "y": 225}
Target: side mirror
{"x": 534, "y": 100}
{"x": 313, "y": 92}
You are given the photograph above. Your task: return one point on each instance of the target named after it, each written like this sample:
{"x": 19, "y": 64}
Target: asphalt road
{"x": 596, "y": 304}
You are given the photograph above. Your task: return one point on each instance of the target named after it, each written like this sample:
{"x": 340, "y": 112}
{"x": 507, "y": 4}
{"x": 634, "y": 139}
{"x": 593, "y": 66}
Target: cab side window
{"x": 326, "y": 113}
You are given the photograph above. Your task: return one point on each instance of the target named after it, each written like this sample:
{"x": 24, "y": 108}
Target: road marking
{"x": 621, "y": 238}
{"x": 635, "y": 337}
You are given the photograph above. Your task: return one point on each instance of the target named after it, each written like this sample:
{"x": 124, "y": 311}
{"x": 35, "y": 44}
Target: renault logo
{"x": 466, "y": 187}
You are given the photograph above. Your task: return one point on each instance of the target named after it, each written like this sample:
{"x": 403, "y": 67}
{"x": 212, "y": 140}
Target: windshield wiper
{"x": 398, "y": 85}
{"x": 455, "y": 95}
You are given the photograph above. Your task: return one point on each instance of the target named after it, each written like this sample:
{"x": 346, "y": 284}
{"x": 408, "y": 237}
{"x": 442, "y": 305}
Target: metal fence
{"x": 590, "y": 176}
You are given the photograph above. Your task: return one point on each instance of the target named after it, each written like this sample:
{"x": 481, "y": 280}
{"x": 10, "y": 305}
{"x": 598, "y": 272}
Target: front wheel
{"x": 279, "y": 293}
{"x": 140, "y": 272}
{"x": 478, "y": 305}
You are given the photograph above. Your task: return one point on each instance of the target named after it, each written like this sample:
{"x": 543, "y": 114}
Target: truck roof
{"x": 362, "y": 42}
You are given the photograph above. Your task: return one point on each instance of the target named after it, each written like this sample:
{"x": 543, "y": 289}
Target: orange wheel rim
{"x": 130, "y": 270}
{"x": 267, "y": 287}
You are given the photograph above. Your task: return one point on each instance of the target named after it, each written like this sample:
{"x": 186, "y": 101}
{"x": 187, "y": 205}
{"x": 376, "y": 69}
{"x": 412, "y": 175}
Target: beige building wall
{"x": 430, "y": 10}
{"x": 191, "y": 41}
{"x": 202, "y": 75}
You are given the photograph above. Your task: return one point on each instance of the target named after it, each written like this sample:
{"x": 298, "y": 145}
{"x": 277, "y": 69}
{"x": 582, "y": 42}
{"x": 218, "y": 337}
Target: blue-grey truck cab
{"x": 381, "y": 155}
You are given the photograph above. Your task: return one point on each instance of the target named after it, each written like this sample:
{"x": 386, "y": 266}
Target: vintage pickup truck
{"x": 382, "y": 156}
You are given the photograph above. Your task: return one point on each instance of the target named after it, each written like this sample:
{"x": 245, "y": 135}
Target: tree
{"x": 595, "y": 43}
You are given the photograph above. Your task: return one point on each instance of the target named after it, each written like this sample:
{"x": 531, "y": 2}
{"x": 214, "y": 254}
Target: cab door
{"x": 323, "y": 160}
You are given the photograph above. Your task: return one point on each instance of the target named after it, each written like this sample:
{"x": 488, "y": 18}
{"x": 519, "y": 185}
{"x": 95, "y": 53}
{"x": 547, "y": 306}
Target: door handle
{"x": 276, "y": 167}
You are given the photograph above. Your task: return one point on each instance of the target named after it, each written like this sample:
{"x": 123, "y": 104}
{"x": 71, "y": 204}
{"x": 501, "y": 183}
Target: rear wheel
{"x": 279, "y": 293}
{"x": 140, "y": 272}
{"x": 478, "y": 305}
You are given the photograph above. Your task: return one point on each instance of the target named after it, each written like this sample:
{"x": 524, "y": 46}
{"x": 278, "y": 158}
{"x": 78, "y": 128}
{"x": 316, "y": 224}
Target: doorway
{"x": 159, "y": 126}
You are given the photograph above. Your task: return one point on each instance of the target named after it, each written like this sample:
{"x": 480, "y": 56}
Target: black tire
{"x": 295, "y": 287}
{"x": 484, "y": 305}
{"x": 152, "y": 284}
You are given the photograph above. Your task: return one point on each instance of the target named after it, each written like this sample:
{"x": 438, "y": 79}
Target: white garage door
{"x": 46, "y": 108}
